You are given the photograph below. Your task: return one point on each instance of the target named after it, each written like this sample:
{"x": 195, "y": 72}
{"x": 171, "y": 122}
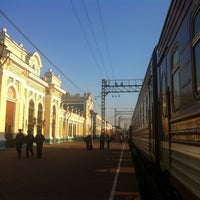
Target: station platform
{"x": 67, "y": 171}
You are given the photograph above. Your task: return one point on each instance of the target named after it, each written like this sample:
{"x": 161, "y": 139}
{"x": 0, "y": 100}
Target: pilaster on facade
{"x": 53, "y": 128}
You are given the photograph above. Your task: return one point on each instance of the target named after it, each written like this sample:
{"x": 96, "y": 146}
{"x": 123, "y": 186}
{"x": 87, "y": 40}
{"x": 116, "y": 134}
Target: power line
{"x": 22, "y": 33}
{"x": 93, "y": 34}
{"x": 101, "y": 18}
{"x": 85, "y": 36}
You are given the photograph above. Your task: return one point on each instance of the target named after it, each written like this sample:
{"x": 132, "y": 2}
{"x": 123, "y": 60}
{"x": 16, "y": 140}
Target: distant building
{"x": 84, "y": 105}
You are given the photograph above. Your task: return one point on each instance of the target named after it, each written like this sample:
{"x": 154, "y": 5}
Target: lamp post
{"x": 91, "y": 114}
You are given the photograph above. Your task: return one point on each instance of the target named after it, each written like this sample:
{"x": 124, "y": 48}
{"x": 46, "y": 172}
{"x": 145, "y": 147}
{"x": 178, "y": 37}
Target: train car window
{"x": 196, "y": 50}
{"x": 175, "y": 73}
{"x": 197, "y": 24}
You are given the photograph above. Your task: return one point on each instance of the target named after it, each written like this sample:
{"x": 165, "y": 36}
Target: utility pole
{"x": 117, "y": 86}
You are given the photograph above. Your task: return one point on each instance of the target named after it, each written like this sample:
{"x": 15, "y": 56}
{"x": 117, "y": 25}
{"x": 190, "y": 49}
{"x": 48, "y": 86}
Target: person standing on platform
{"x": 19, "y": 140}
{"x": 39, "y": 139}
{"x": 120, "y": 139}
{"x": 29, "y": 139}
{"x": 88, "y": 141}
{"x": 90, "y": 148}
{"x": 102, "y": 140}
{"x": 108, "y": 140}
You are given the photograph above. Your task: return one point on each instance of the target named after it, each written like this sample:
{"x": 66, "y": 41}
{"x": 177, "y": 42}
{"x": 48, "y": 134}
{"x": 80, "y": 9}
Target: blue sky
{"x": 70, "y": 34}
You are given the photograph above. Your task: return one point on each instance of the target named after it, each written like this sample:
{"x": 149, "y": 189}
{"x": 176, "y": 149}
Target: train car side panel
{"x": 142, "y": 134}
{"x": 169, "y": 135}
{"x": 184, "y": 116}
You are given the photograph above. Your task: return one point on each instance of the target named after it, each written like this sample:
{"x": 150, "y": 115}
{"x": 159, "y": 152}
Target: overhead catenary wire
{"x": 85, "y": 36}
{"x": 94, "y": 37}
{"x": 26, "y": 37}
{"x": 105, "y": 38}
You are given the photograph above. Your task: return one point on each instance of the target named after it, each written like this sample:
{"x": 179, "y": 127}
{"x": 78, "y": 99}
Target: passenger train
{"x": 165, "y": 126}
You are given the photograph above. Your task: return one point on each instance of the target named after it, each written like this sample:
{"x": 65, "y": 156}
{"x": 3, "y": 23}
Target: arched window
{"x": 54, "y": 121}
{"x": 39, "y": 116}
{"x": 11, "y": 94}
{"x": 10, "y": 110}
{"x": 31, "y": 121}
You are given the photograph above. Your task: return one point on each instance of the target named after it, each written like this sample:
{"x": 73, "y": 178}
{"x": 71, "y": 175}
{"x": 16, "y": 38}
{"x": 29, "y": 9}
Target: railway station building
{"x": 30, "y": 101}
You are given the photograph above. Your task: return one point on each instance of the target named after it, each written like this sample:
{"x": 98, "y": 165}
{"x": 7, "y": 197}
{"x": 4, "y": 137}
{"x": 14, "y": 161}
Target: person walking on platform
{"x": 120, "y": 139}
{"x": 102, "y": 140}
{"x": 19, "y": 140}
{"x": 29, "y": 139}
{"x": 88, "y": 141}
{"x": 108, "y": 140}
{"x": 39, "y": 139}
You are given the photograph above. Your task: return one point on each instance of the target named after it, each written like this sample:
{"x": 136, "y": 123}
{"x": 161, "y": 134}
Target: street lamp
{"x": 92, "y": 128}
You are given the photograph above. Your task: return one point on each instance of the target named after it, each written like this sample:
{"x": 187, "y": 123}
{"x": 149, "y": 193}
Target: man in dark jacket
{"x": 88, "y": 141}
{"x": 102, "y": 140}
{"x": 29, "y": 139}
{"x": 39, "y": 139}
{"x": 19, "y": 140}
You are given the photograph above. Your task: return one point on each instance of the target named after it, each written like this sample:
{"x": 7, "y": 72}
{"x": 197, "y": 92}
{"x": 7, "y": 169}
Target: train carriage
{"x": 169, "y": 134}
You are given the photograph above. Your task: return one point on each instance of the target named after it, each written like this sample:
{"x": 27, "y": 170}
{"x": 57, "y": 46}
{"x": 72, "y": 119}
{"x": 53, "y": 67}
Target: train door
{"x": 164, "y": 118}
{"x": 150, "y": 113}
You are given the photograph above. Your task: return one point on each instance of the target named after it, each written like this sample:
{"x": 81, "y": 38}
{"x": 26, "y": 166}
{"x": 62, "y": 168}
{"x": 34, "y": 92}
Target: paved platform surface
{"x": 67, "y": 171}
